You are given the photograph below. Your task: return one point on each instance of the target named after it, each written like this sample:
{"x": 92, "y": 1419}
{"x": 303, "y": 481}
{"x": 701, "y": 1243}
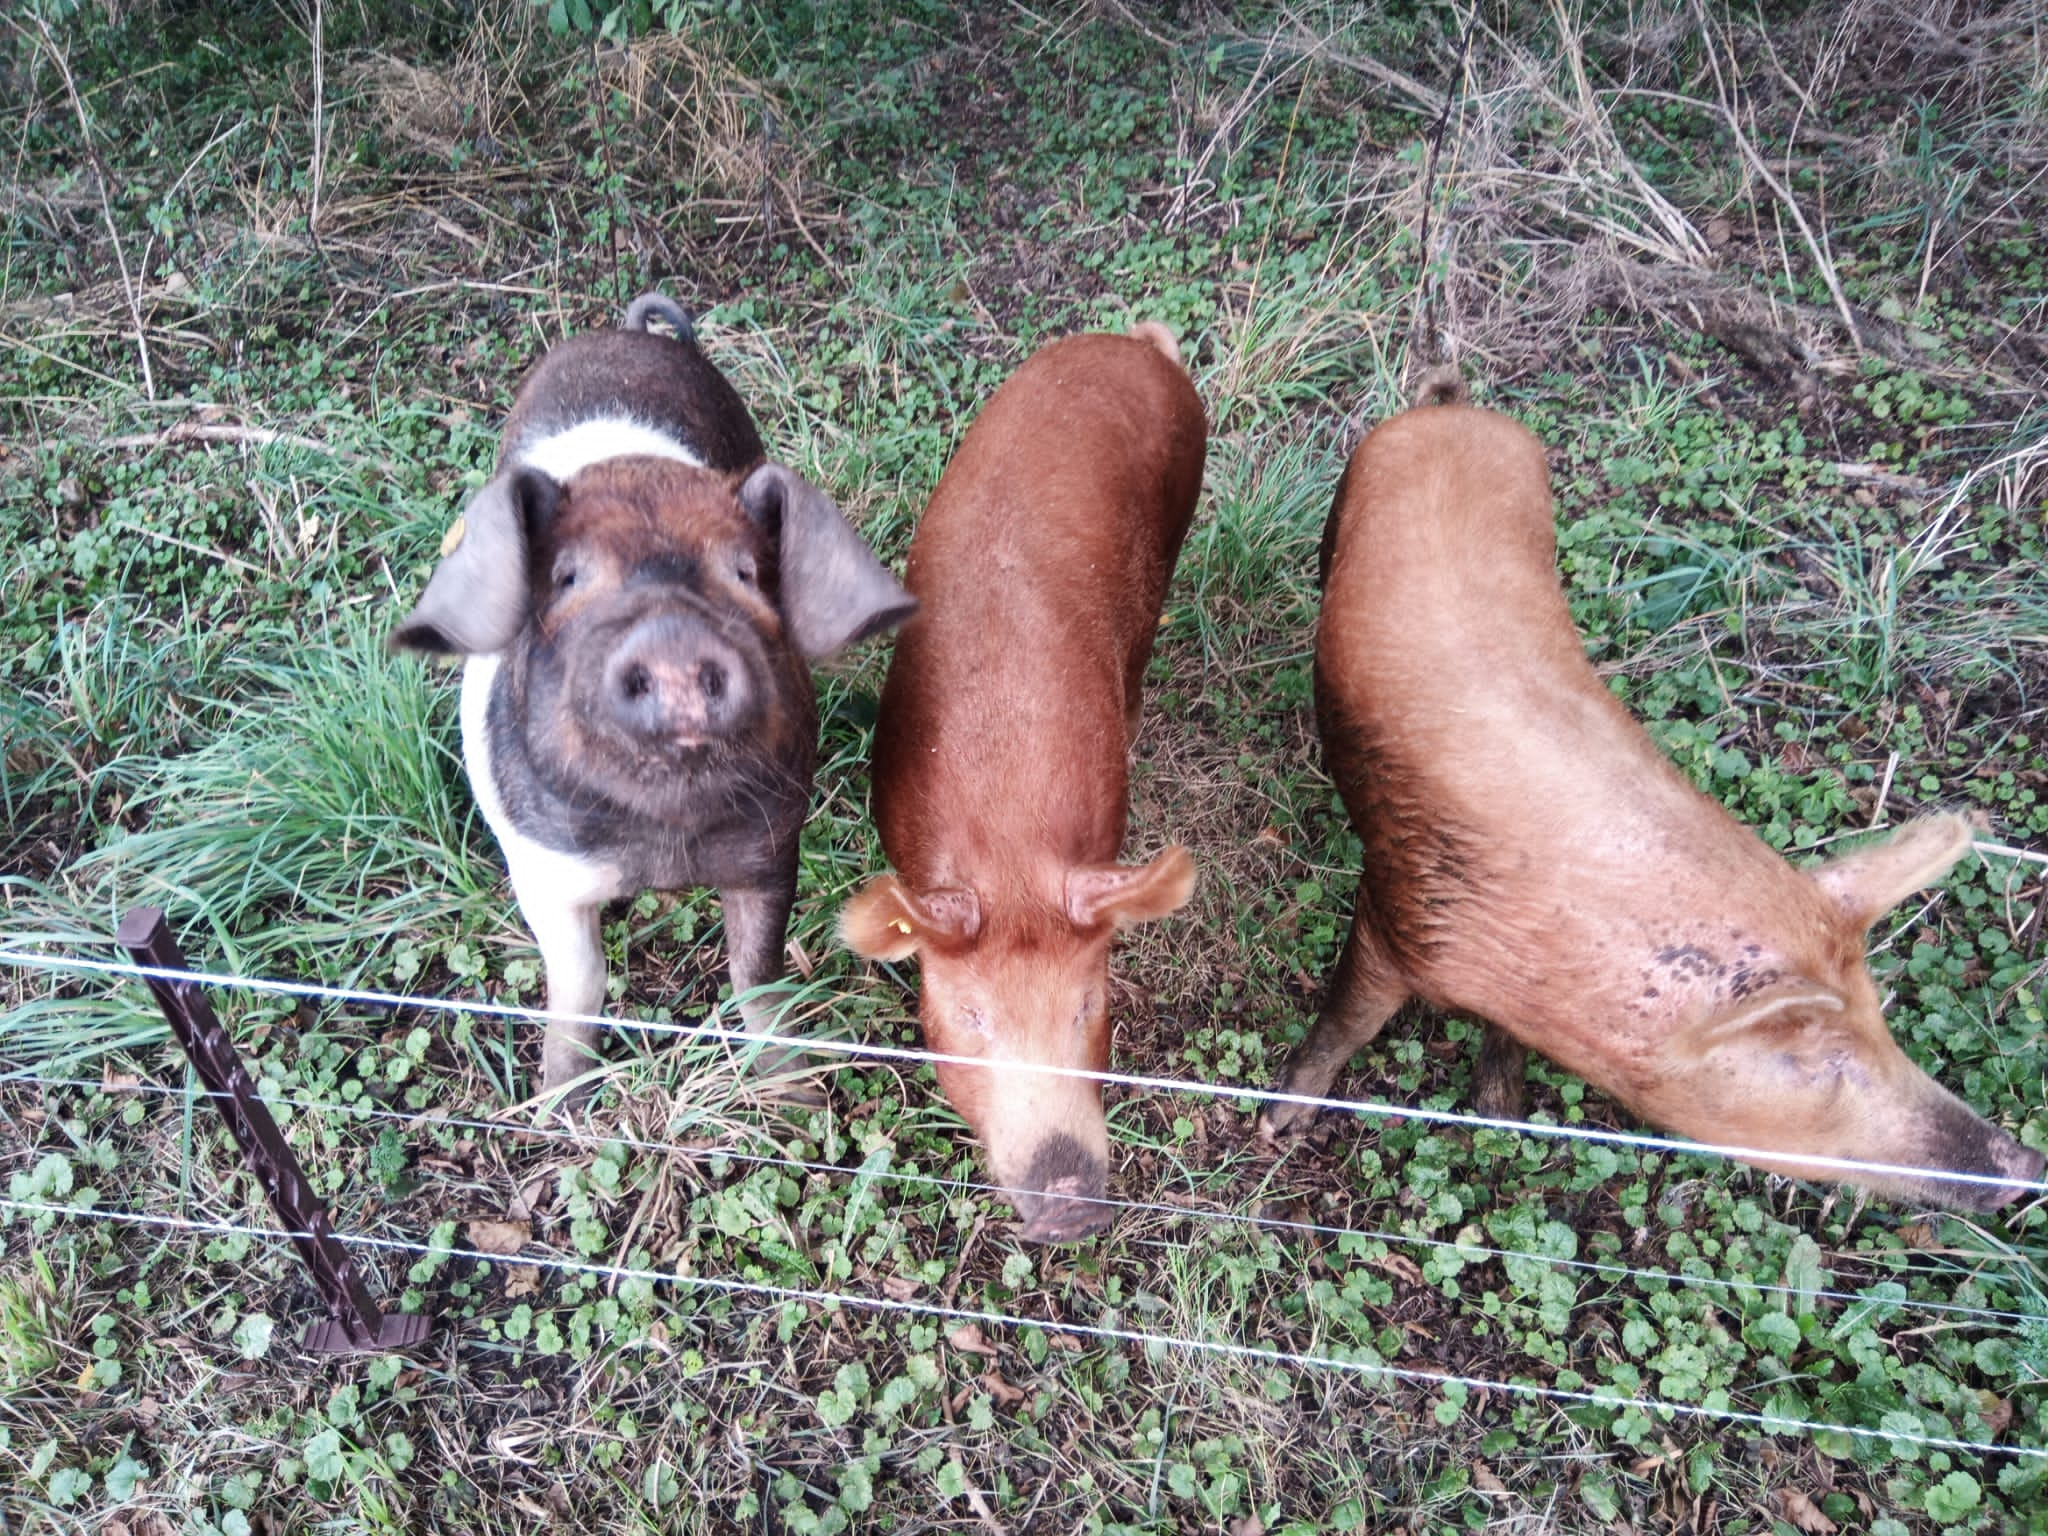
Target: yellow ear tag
{"x": 453, "y": 537}
{"x": 900, "y": 926}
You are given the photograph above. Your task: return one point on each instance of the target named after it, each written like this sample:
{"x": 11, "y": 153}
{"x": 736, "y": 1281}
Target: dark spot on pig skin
{"x": 1746, "y": 981}
{"x": 1651, "y": 992}
{"x": 1688, "y": 962}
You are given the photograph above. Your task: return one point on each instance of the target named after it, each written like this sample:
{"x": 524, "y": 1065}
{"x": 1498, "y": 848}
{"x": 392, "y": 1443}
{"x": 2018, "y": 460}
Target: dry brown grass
{"x": 1540, "y": 209}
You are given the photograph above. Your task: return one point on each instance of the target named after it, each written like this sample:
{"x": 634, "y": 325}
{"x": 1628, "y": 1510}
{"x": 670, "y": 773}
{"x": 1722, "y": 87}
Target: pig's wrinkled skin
{"x": 1531, "y": 857}
{"x": 639, "y": 597}
{"x": 1001, "y": 751}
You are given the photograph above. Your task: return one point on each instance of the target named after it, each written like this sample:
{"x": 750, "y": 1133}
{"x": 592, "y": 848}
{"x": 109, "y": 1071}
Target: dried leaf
{"x": 522, "y": 1280}
{"x": 1916, "y": 1234}
{"x": 1001, "y": 1390}
{"x": 968, "y": 1340}
{"x": 1484, "y": 1480}
{"x": 1995, "y": 1411}
{"x": 499, "y": 1237}
{"x": 1247, "y": 1525}
{"x": 900, "y": 1287}
{"x": 1402, "y": 1267}
{"x": 1063, "y": 1341}
{"x": 1804, "y": 1513}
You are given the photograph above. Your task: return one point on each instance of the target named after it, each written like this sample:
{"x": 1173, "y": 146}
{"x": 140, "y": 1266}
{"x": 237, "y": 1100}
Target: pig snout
{"x": 1966, "y": 1144}
{"x": 1061, "y": 1198}
{"x": 673, "y": 680}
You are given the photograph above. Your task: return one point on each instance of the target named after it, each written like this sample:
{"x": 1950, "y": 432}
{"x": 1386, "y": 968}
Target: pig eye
{"x": 565, "y": 574}
{"x": 743, "y": 570}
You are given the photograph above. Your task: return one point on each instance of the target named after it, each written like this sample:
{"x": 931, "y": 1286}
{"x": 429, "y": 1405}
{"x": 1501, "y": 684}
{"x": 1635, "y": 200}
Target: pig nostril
{"x": 636, "y": 683}
{"x": 711, "y": 679}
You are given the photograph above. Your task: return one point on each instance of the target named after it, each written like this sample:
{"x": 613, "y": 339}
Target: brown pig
{"x": 1533, "y": 859}
{"x": 1000, "y": 752}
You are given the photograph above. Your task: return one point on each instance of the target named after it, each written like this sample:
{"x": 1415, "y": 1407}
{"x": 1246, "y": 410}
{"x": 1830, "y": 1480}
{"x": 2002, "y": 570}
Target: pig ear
{"x": 889, "y": 921}
{"x": 475, "y": 602}
{"x": 1123, "y": 894}
{"x": 1868, "y": 881}
{"x": 1789, "y": 1019}
{"x": 835, "y": 593}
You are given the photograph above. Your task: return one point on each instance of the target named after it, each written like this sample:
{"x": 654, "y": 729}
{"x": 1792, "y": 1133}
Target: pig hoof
{"x": 1284, "y": 1122}
{"x": 566, "y": 1097}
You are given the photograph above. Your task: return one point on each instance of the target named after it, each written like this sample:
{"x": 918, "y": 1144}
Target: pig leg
{"x": 573, "y": 953}
{"x": 1499, "y": 1076}
{"x": 756, "y": 926}
{"x": 1364, "y": 993}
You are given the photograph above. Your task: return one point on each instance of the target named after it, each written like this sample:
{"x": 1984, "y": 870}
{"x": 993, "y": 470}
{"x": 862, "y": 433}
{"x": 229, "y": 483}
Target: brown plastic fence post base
{"x": 395, "y": 1330}
{"x": 354, "y": 1321}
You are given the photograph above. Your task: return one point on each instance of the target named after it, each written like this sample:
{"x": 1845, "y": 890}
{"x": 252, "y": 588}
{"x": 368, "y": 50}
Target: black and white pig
{"x": 640, "y": 597}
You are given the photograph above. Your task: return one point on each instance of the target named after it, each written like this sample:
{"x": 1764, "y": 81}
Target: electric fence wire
{"x": 909, "y": 1055}
{"x": 1466, "y": 1252}
{"x": 1766, "y": 1423}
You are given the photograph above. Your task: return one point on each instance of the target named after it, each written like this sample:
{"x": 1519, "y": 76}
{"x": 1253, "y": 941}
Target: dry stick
{"x": 1778, "y": 188}
{"x": 99, "y": 176}
{"x": 601, "y": 100}
{"x": 1677, "y": 229}
{"x": 1426, "y": 298}
{"x": 1309, "y": 46}
{"x": 319, "y": 137}
{"x": 227, "y": 432}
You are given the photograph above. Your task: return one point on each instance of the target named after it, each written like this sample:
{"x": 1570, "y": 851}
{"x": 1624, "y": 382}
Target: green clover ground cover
{"x": 1810, "y": 571}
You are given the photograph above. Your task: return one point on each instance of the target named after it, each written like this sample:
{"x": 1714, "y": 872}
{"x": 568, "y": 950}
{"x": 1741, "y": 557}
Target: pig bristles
{"x": 1159, "y": 336}
{"x": 1442, "y": 385}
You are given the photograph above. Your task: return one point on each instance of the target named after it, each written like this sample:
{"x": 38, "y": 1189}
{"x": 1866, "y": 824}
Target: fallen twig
{"x": 231, "y": 432}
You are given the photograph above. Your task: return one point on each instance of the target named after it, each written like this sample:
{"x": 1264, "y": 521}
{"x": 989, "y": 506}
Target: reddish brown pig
{"x": 1000, "y": 752}
{"x": 1531, "y": 858}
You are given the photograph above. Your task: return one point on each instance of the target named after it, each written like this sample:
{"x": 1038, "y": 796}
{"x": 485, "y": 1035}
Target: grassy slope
{"x": 878, "y": 216}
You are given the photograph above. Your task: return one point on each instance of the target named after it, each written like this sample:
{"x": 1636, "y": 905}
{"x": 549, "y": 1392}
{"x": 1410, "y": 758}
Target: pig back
{"x": 1039, "y": 567}
{"x": 1518, "y": 823}
{"x": 635, "y": 375}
